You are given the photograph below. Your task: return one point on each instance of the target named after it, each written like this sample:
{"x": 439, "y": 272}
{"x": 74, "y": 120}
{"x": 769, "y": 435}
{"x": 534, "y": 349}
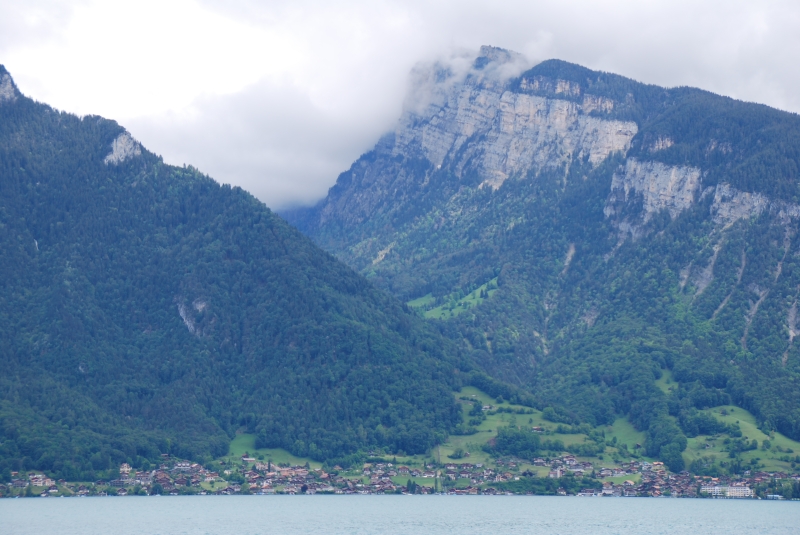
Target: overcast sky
{"x": 280, "y": 97}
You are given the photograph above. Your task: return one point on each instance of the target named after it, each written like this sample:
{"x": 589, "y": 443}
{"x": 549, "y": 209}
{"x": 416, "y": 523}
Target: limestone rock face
{"x": 662, "y": 187}
{"x": 480, "y": 125}
{"x": 675, "y": 188}
{"x": 123, "y": 148}
{"x": 8, "y": 93}
{"x": 659, "y": 186}
{"x": 475, "y": 129}
{"x": 730, "y": 204}
{"x": 483, "y": 126}
{"x": 473, "y": 124}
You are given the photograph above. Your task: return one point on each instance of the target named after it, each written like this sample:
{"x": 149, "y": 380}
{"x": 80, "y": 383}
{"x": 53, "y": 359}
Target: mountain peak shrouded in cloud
{"x": 430, "y": 82}
{"x": 494, "y": 54}
{"x": 299, "y": 91}
{"x": 287, "y": 148}
{"x": 587, "y": 233}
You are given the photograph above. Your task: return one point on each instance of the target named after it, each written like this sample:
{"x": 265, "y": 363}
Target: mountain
{"x": 615, "y": 248}
{"x": 147, "y": 309}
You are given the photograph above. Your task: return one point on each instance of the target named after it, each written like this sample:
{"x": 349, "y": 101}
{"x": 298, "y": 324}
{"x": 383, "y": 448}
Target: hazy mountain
{"x": 585, "y": 234}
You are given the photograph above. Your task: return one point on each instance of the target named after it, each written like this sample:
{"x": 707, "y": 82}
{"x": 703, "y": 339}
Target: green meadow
{"x": 455, "y": 304}
{"x": 778, "y": 457}
{"x": 621, "y": 439}
{"x": 246, "y": 443}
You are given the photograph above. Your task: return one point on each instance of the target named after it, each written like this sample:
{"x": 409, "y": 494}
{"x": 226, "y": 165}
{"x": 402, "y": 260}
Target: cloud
{"x": 32, "y": 22}
{"x": 280, "y": 97}
{"x": 264, "y": 132}
{"x": 429, "y": 82}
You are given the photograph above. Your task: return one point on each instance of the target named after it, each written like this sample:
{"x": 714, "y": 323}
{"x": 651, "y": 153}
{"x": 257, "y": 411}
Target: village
{"x": 252, "y": 476}
{"x": 465, "y": 465}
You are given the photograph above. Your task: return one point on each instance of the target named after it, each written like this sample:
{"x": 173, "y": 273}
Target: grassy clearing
{"x": 618, "y": 480}
{"x": 540, "y": 471}
{"x": 622, "y": 429}
{"x": 208, "y": 487}
{"x": 456, "y": 304}
{"x": 487, "y": 430}
{"x": 422, "y": 302}
{"x": 245, "y": 443}
{"x": 473, "y": 393}
{"x": 625, "y": 433}
{"x": 424, "y": 481}
{"x": 485, "y": 399}
{"x": 666, "y": 382}
{"x": 776, "y": 458}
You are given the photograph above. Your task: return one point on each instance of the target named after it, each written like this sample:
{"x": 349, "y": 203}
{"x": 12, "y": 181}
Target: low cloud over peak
{"x": 280, "y": 98}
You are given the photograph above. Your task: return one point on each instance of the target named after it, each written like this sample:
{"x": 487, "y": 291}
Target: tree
{"x": 671, "y": 456}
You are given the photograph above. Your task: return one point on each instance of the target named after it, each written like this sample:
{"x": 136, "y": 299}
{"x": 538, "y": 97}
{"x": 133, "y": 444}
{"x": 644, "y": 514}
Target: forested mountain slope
{"x": 629, "y": 230}
{"x": 146, "y": 309}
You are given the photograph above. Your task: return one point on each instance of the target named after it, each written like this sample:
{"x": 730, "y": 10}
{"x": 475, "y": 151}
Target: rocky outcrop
{"x": 661, "y": 143}
{"x": 183, "y": 312}
{"x": 8, "y": 93}
{"x": 473, "y": 118}
{"x": 123, "y": 148}
{"x": 483, "y": 126}
{"x": 658, "y": 186}
{"x": 702, "y": 278}
{"x": 731, "y": 205}
{"x": 675, "y": 188}
{"x": 791, "y": 325}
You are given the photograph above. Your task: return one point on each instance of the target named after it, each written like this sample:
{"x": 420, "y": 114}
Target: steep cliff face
{"x": 477, "y": 127}
{"x": 485, "y": 128}
{"x": 123, "y": 148}
{"x": 674, "y": 189}
{"x": 8, "y": 92}
{"x": 600, "y": 208}
{"x": 660, "y": 187}
{"x": 731, "y": 205}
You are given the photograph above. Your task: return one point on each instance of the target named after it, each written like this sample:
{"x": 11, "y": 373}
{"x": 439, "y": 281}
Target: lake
{"x": 445, "y": 515}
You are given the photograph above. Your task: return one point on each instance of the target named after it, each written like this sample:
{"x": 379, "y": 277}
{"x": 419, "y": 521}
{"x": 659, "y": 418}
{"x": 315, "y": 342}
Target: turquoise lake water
{"x": 440, "y": 515}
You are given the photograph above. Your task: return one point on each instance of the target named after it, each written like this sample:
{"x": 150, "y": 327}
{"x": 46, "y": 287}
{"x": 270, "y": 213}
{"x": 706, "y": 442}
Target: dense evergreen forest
{"x": 147, "y": 309}
{"x": 600, "y": 297}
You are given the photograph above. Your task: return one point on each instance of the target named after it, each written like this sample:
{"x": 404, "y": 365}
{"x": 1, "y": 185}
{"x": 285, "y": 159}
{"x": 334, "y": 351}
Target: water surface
{"x": 367, "y": 515}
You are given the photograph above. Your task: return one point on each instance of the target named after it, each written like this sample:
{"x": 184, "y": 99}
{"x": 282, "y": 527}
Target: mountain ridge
{"x": 633, "y": 230}
{"x": 148, "y": 309}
